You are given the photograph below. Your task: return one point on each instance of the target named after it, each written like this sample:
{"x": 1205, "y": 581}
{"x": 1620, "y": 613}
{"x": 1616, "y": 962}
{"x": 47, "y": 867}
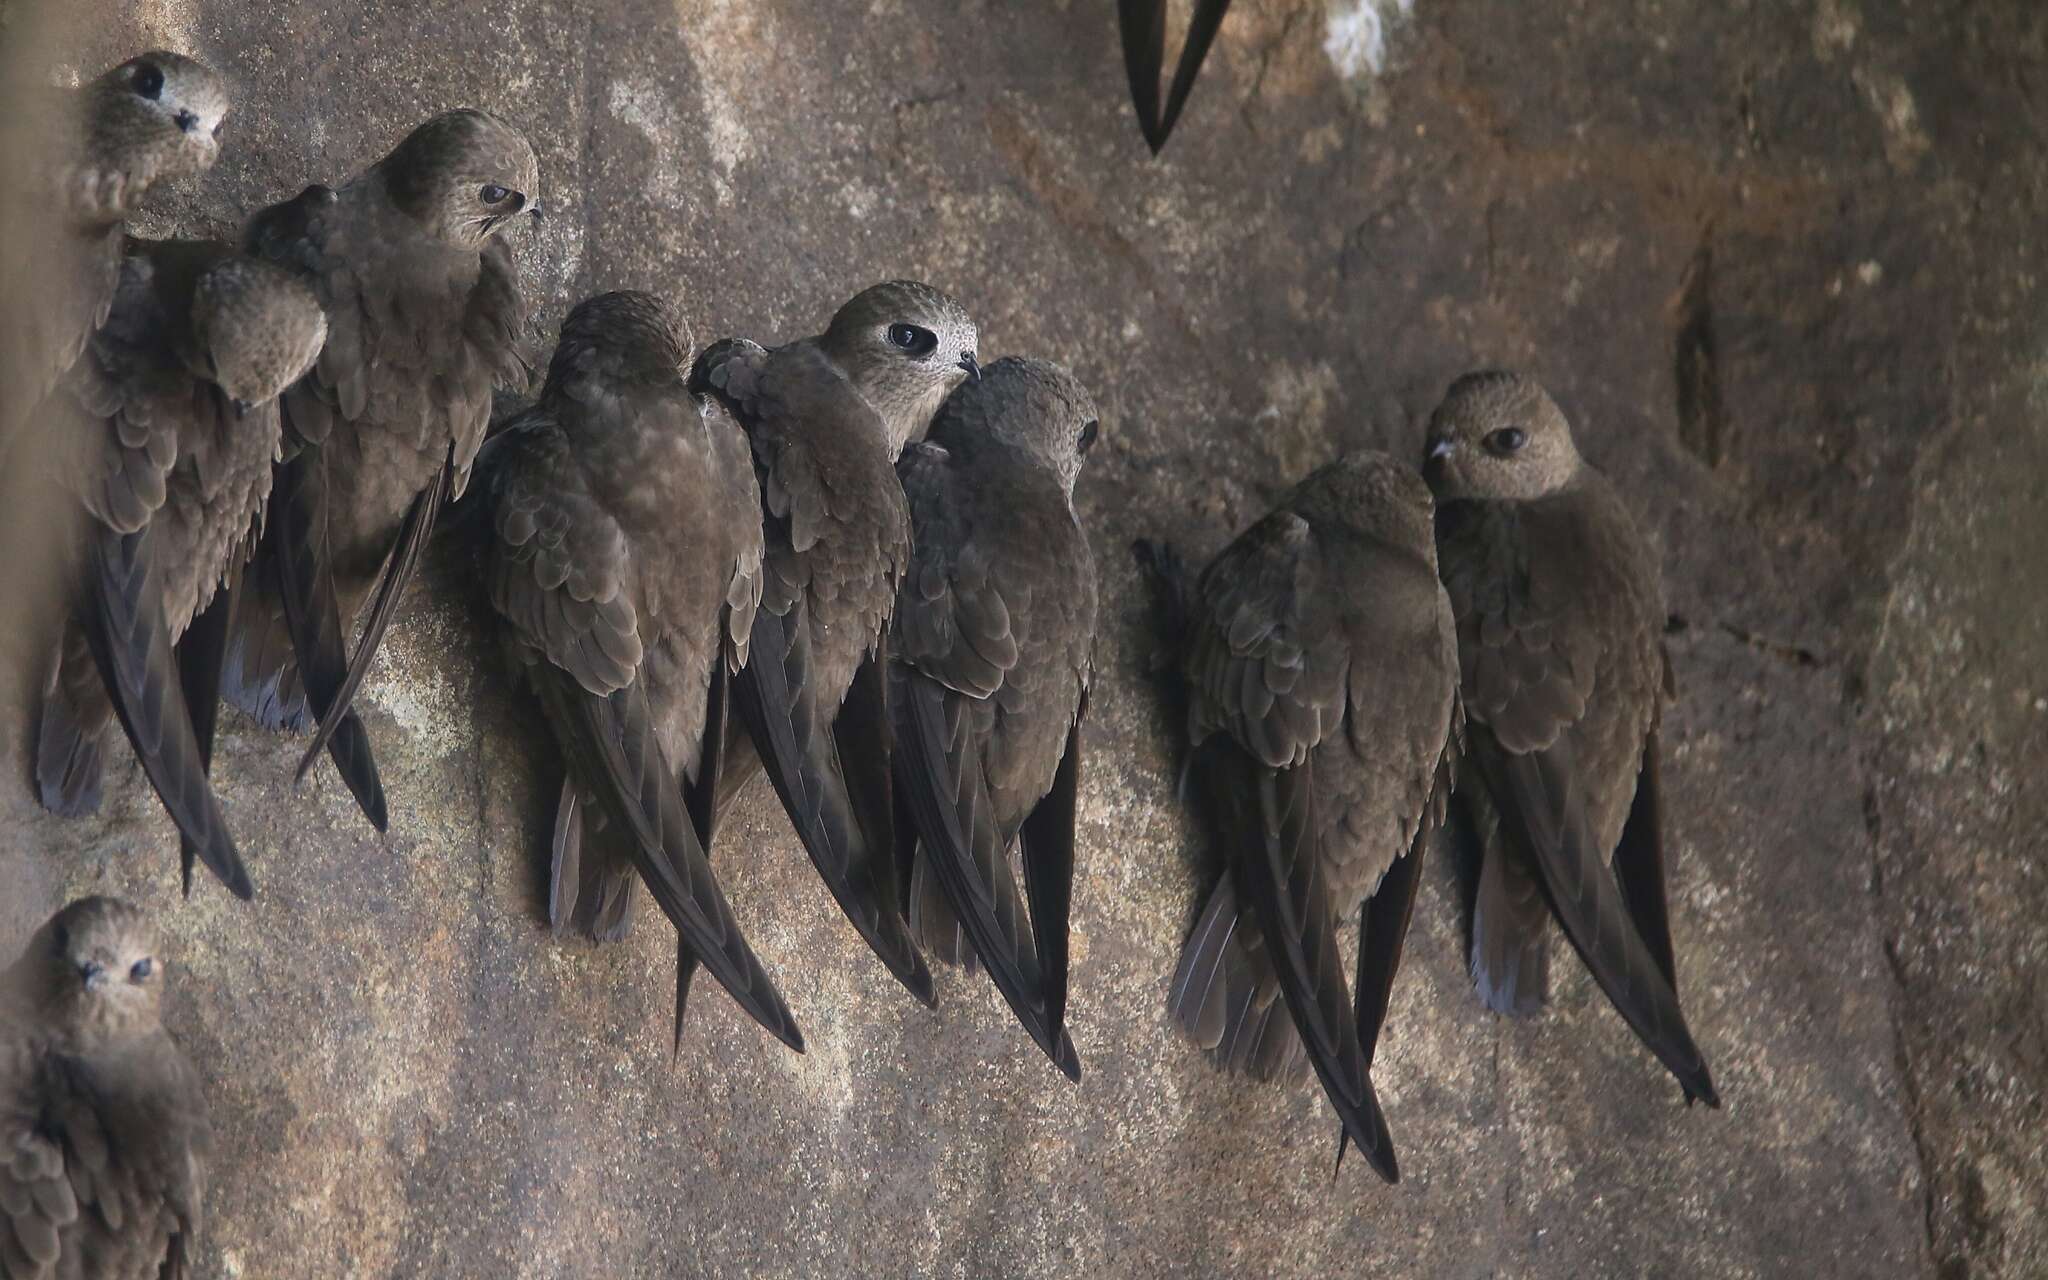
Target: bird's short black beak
{"x": 969, "y": 363}
{"x": 1436, "y": 460}
{"x": 534, "y": 209}
{"x": 94, "y": 975}
{"x": 187, "y": 121}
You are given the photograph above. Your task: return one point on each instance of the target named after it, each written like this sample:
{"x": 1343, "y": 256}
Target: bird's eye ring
{"x": 149, "y": 80}
{"x": 915, "y": 339}
{"x": 1507, "y": 439}
{"x": 141, "y": 969}
{"x": 1088, "y": 434}
{"x": 493, "y": 194}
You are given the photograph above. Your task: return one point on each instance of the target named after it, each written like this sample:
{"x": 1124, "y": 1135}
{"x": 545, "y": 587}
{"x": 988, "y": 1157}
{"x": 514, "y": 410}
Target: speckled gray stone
{"x": 1780, "y": 261}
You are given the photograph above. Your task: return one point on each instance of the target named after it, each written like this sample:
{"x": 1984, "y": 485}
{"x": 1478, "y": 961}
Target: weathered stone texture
{"x": 1780, "y": 259}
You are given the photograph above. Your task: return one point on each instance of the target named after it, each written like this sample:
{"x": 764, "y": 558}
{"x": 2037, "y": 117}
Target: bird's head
{"x": 463, "y": 176}
{"x": 94, "y": 970}
{"x": 154, "y": 118}
{"x": 1032, "y": 405}
{"x": 1498, "y": 436}
{"x": 1373, "y": 494}
{"x": 621, "y": 336}
{"x": 905, "y": 345}
{"x": 257, "y": 328}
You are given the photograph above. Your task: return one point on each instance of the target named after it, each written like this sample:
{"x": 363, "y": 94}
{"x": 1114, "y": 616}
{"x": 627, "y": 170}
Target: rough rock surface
{"x": 1782, "y": 262}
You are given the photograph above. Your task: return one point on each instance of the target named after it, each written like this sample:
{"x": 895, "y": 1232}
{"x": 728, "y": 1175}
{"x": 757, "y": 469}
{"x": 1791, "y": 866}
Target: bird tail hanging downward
{"x": 1226, "y": 997}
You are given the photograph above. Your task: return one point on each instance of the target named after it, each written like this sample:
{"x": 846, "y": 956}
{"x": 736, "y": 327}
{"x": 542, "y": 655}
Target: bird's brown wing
{"x": 1226, "y": 1000}
{"x": 112, "y": 444}
{"x": 1142, "y": 24}
{"x": 1268, "y": 665}
{"x": 955, "y": 649}
{"x": 131, "y": 406}
{"x": 1047, "y": 844}
{"x": 122, "y": 616}
{"x": 38, "y": 1205}
{"x": 1383, "y": 923}
{"x": 557, "y": 571}
{"x": 294, "y": 559}
{"x": 72, "y": 1189}
{"x": 413, "y": 533}
{"x": 289, "y": 656}
{"x": 833, "y": 544}
{"x": 1530, "y": 665}
{"x": 493, "y": 315}
{"x": 385, "y": 367}
{"x": 701, "y": 793}
{"x": 201, "y": 653}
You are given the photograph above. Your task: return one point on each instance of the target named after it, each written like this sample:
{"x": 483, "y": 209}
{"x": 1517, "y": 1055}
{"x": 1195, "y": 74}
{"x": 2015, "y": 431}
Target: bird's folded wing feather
{"x": 1268, "y": 670}
{"x": 66, "y": 1182}
{"x": 795, "y": 409}
{"x": 122, "y": 614}
{"x": 1528, "y": 675}
{"x": 1047, "y": 841}
{"x": 124, "y": 410}
{"x": 296, "y": 548}
{"x": 558, "y": 574}
{"x": 954, "y": 648}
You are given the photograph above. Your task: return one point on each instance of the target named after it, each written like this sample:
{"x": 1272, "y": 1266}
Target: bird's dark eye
{"x": 1507, "y": 439}
{"x": 493, "y": 194}
{"x": 149, "y": 80}
{"x": 915, "y": 339}
{"x": 1088, "y": 435}
{"x": 141, "y": 969}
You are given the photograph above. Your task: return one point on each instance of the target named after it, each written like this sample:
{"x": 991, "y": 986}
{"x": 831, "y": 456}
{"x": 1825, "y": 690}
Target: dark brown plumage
{"x": 104, "y": 1139}
{"x": 624, "y": 561}
{"x": 166, "y": 431}
{"x": 1560, "y": 643}
{"x": 1322, "y": 674}
{"x": 990, "y": 663}
{"x": 424, "y": 318}
{"x": 827, "y": 417}
{"x": 1142, "y": 23}
{"x": 84, "y": 160}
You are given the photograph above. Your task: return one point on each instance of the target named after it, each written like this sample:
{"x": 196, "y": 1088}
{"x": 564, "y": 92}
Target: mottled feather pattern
{"x": 1560, "y": 628}
{"x": 1323, "y": 700}
{"x": 624, "y": 536}
{"x": 559, "y": 576}
{"x": 1536, "y": 638}
{"x": 990, "y": 642}
{"x": 815, "y": 480}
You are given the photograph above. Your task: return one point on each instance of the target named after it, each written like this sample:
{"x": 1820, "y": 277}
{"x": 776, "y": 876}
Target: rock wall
{"x": 1779, "y": 259}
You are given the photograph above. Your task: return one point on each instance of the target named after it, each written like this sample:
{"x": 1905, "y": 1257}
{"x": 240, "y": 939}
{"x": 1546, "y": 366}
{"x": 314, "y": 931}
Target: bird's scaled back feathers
{"x": 1322, "y": 676}
{"x": 624, "y": 539}
{"x": 990, "y": 666}
{"x": 171, "y": 464}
